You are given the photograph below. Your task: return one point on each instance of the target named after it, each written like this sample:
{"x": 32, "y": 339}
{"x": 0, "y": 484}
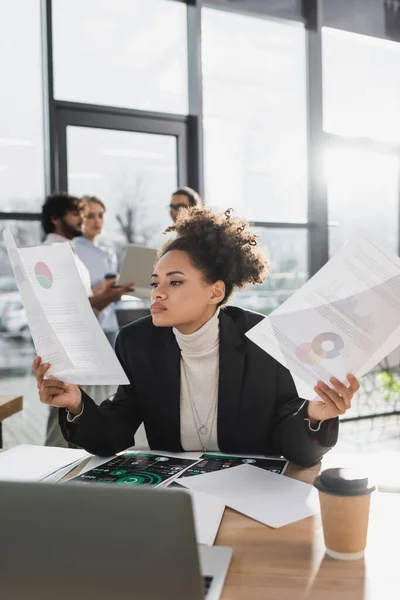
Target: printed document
{"x": 207, "y": 512}
{"x": 345, "y": 319}
{"x": 269, "y": 498}
{"x": 136, "y": 468}
{"x": 35, "y": 463}
{"x": 64, "y": 328}
{"x": 220, "y": 462}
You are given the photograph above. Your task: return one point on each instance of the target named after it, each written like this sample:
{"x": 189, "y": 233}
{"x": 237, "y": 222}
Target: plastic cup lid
{"x": 343, "y": 482}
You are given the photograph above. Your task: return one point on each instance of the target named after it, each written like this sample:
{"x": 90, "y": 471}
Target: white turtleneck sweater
{"x": 199, "y": 386}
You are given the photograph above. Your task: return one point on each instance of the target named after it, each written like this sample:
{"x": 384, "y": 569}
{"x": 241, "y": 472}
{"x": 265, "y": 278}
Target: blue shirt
{"x": 99, "y": 261}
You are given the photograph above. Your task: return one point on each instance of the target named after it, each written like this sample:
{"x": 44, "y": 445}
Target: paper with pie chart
{"x": 345, "y": 319}
{"x": 46, "y": 342}
{"x": 64, "y": 328}
{"x": 43, "y": 275}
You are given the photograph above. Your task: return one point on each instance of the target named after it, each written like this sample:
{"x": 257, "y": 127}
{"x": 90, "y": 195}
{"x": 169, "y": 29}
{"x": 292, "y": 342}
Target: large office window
{"x": 21, "y": 190}
{"x": 127, "y": 53}
{"x": 21, "y": 111}
{"x": 361, "y": 85}
{"x": 133, "y": 173}
{"x": 361, "y": 100}
{"x": 255, "y": 116}
{"x": 363, "y": 192}
{"x": 287, "y": 254}
{"x": 16, "y": 348}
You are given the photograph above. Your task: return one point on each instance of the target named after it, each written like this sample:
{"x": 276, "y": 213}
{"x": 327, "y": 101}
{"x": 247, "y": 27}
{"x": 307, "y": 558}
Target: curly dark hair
{"x": 221, "y": 246}
{"x": 57, "y": 205}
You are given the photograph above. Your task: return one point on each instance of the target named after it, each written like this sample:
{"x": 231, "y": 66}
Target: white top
{"x": 99, "y": 261}
{"x": 199, "y": 386}
{"x": 54, "y": 238}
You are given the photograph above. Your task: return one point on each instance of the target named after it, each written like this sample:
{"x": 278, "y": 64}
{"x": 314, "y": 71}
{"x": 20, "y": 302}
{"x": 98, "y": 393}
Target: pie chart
{"x": 44, "y": 276}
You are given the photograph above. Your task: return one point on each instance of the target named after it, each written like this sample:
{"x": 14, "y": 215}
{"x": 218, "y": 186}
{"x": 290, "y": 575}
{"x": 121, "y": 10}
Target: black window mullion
{"x": 318, "y": 246}
{"x": 49, "y": 112}
{"x": 19, "y": 216}
{"x": 195, "y": 150}
{"x": 279, "y": 225}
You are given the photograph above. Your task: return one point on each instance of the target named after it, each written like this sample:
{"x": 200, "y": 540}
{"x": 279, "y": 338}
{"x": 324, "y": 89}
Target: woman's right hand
{"x": 55, "y": 392}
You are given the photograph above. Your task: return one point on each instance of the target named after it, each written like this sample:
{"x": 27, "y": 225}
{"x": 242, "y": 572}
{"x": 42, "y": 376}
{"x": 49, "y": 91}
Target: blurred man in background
{"x": 183, "y": 198}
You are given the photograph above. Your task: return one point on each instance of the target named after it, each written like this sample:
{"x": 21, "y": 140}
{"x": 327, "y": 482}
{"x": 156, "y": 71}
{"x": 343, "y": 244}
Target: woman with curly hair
{"x": 195, "y": 380}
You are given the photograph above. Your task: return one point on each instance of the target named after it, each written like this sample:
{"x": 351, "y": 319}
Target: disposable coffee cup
{"x": 344, "y": 496}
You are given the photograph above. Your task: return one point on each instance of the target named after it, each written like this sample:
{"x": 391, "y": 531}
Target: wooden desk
{"x": 290, "y": 563}
{"x": 9, "y": 405}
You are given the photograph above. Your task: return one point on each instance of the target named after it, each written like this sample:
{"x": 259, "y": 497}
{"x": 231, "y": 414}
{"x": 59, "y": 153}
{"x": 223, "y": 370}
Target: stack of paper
{"x": 264, "y": 496}
{"x": 35, "y": 463}
{"x": 93, "y": 462}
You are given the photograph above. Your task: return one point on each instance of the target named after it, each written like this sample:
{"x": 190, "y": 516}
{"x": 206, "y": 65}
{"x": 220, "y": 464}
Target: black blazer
{"x": 259, "y": 411}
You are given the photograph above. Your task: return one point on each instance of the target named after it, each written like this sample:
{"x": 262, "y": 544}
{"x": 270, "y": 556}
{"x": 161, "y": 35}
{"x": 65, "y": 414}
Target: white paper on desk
{"x": 35, "y": 463}
{"x": 58, "y": 475}
{"x": 264, "y": 496}
{"x": 207, "y": 513}
{"x": 93, "y": 462}
{"x": 64, "y": 328}
{"x": 344, "y": 319}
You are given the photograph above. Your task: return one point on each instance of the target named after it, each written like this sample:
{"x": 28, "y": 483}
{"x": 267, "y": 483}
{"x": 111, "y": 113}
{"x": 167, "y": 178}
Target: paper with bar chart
{"x": 64, "y": 328}
{"x": 345, "y": 319}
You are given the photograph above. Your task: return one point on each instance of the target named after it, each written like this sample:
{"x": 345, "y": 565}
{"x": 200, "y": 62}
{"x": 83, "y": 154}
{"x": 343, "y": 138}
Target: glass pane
{"x": 16, "y": 348}
{"x": 130, "y": 53}
{"x": 363, "y": 192}
{"x": 287, "y": 251}
{"x": 255, "y": 116}
{"x": 377, "y": 18}
{"x": 21, "y": 113}
{"x": 290, "y": 9}
{"x": 361, "y": 86}
{"x": 133, "y": 173}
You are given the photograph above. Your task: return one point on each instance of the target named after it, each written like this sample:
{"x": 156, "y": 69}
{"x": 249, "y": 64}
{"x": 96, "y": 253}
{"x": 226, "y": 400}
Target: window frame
{"x": 192, "y": 173}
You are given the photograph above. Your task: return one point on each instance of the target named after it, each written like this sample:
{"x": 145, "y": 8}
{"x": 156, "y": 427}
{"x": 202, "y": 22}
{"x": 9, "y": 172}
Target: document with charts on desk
{"x": 345, "y": 319}
{"x": 210, "y": 462}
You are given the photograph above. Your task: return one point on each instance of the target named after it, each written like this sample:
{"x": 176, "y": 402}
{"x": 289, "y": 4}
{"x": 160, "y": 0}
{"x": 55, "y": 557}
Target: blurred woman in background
{"x": 100, "y": 260}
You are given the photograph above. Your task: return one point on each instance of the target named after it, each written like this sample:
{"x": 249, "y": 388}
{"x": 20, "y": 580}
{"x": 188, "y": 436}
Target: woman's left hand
{"x": 336, "y": 400}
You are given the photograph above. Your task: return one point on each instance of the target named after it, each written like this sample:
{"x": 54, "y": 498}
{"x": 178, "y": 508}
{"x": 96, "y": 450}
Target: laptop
{"x": 104, "y": 542}
{"x": 138, "y": 266}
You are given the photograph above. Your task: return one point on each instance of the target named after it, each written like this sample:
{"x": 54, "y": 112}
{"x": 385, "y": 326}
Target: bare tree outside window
{"x": 134, "y": 212}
